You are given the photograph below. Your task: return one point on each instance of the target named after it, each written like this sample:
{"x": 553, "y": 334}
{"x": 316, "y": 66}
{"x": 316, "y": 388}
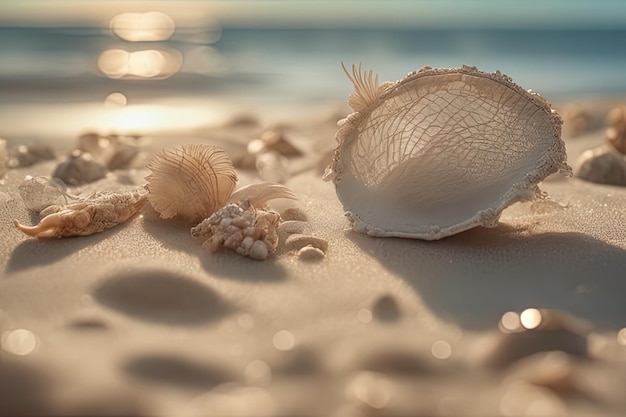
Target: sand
{"x": 140, "y": 320}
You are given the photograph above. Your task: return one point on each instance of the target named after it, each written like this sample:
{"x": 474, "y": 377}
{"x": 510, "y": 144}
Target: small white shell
{"x": 441, "y": 151}
{"x": 191, "y": 181}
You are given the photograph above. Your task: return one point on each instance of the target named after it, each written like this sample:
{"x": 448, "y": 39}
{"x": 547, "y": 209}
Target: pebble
{"x": 79, "y": 168}
{"x": 386, "y": 309}
{"x": 554, "y": 331}
{"x": 24, "y": 156}
{"x": 298, "y": 241}
{"x": 311, "y": 254}
{"x": 602, "y": 165}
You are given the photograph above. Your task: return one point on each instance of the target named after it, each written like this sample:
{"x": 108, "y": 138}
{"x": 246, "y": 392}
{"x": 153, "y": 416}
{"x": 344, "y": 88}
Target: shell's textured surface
{"x": 191, "y": 181}
{"x": 93, "y": 214}
{"x": 441, "y": 151}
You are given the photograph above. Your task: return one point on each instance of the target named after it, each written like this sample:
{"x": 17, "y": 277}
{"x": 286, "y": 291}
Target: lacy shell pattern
{"x": 441, "y": 151}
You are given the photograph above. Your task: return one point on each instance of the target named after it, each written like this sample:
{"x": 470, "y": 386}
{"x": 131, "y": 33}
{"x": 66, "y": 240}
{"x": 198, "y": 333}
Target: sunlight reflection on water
{"x": 148, "y": 26}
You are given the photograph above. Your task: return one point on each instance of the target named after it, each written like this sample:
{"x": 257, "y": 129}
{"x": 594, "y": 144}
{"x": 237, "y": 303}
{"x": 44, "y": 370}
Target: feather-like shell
{"x": 191, "y": 181}
{"x": 441, "y": 151}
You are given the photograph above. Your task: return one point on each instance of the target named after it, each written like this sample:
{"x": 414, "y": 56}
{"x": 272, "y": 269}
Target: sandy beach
{"x": 524, "y": 319}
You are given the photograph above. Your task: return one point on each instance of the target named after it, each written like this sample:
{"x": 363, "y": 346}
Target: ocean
{"x": 52, "y": 74}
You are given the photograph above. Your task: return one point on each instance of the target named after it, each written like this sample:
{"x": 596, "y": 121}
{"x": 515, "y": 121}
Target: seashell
{"x": 259, "y": 194}
{"x": 273, "y": 140}
{"x": 242, "y": 228}
{"x": 602, "y": 165}
{"x": 272, "y": 166}
{"x": 298, "y": 241}
{"x": 79, "y": 168}
{"x": 112, "y": 151}
{"x": 441, "y": 151}
{"x": 310, "y": 253}
{"x": 41, "y": 192}
{"x": 191, "y": 181}
{"x": 290, "y": 227}
{"x": 93, "y": 214}
{"x": 616, "y": 133}
{"x": 24, "y": 156}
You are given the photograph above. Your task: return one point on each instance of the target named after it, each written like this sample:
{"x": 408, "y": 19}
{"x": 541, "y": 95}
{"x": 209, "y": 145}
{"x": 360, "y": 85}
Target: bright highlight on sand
{"x": 441, "y": 349}
{"x": 284, "y": 340}
{"x": 364, "y": 315}
{"x": 20, "y": 342}
{"x": 372, "y": 389}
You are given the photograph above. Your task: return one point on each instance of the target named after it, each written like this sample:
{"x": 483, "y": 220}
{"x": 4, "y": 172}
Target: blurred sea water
{"x": 52, "y": 73}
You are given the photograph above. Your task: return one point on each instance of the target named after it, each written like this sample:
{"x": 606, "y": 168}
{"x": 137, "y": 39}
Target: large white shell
{"x": 191, "y": 181}
{"x": 441, "y": 151}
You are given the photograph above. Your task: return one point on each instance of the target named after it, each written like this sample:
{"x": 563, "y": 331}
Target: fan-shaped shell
{"x": 191, "y": 181}
{"x": 441, "y": 151}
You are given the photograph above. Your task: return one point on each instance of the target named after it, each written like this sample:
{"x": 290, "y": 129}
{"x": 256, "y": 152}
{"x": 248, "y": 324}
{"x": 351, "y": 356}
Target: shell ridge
{"x": 192, "y": 181}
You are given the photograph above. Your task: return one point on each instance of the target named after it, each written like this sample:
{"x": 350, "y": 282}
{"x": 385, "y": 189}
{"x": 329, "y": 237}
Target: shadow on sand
{"x": 175, "y": 234}
{"x": 171, "y": 370}
{"x": 41, "y": 252}
{"x": 161, "y": 296}
{"x": 474, "y": 277}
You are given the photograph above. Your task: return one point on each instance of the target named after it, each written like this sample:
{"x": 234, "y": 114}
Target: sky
{"x": 325, "y": 13}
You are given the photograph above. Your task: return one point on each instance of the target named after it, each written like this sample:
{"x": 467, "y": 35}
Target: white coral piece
{"x": 241, "y": 227}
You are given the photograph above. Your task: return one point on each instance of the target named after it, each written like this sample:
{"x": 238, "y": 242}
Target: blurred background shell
{"x": 441, "y": 151}
{"x": 190, "y": 181}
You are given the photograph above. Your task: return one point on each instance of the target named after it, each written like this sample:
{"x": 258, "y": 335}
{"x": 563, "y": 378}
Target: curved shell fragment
{"x": 191, "y": 181}
{"x": 259, "y": 194}
{"x": 441, "y": 151}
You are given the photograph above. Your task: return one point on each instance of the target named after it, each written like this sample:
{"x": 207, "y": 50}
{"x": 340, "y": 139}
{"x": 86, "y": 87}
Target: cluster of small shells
{"x": 606, "y": 164}
{"x": 193, "y": 182}
{"x": 242, "y": 228}
{"x": 196, "y": 182}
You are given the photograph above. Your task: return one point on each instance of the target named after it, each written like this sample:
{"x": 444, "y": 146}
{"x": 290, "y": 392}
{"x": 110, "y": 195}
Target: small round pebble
{"x": 386, "y": 309}
{"x": 258, "y": 250}
{"x": 310, "y": 254}
{"x": 298, "y": 241}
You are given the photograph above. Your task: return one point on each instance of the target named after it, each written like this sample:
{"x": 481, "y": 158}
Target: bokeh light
{"x": 284, "y": 340}
{"x": 441, "y": 349}
{"x": 143, "y": 27}
{"x": 530, "y": 318}
{"x": 510, "y": 322}
{"x": 115, "y": 100}
{"x": 258, "y": 372}
{"x": 149, "y": 63}
{"x": 364, "y": 315}
{"x": 20, "y": 342}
